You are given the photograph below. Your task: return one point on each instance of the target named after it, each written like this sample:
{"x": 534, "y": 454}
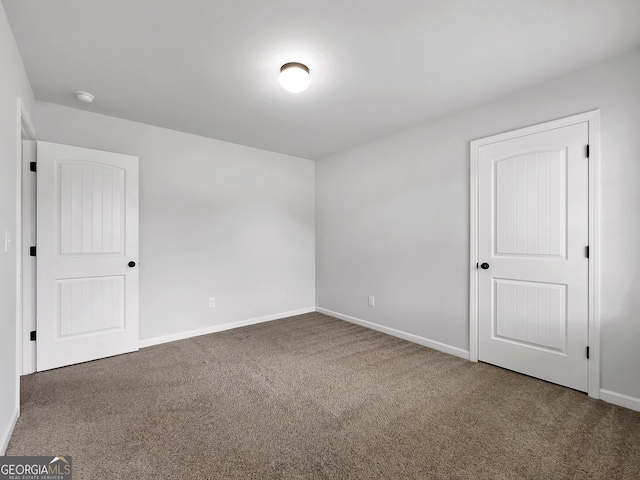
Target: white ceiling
{"x": 210, "y": 67}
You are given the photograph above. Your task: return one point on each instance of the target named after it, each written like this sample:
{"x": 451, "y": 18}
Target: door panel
{"x": 91, "y": 209}
{"x": 87, "y": 305}
{"x": 533, "y": 230}
{"x": 90, "y": 305}
{"x": 530, "y": 199}
{"x": 531, "y": 313}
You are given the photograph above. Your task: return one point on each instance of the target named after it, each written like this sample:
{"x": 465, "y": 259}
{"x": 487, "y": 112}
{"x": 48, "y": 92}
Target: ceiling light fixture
{"x": 294, "y": 77}
{"x": 85, "y": 97}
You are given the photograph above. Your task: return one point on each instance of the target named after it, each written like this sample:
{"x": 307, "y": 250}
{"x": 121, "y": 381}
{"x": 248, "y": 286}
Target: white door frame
{"x": 593, "y": 120}
{"x": 25, "y": 348}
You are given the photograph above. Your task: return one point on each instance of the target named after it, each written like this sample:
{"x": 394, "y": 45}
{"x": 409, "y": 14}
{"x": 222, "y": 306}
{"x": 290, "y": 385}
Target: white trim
{"x": 18, "y": 254}
{"x": 25, "y": 348}
{"x": 27, "y": 132}
{"x": 442, "y": 347}
{"x": 148, "y": 342}
{"x": 473, "y": 256}
{"x": 620, "y": 399}
{"x": 28, "y": 359}
{"x": 594, "y": 254}
{"x": 593, "y": 120}
{"x": 6, "y": 435}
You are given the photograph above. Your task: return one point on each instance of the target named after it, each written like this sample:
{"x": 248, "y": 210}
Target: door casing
{"x": 593, "y": 120}
{"x": 26, "y": 222}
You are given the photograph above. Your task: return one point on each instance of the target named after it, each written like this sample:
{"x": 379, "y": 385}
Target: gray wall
{"x": 216, "y": 220}
{"x": 13, "y": 84}
{"x": 392, "y": 216}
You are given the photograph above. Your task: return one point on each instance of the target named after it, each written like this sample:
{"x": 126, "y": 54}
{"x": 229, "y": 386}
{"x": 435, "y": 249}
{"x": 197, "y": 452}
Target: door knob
{"x": 131, "y": 264}
{"x": 484, "y": 266}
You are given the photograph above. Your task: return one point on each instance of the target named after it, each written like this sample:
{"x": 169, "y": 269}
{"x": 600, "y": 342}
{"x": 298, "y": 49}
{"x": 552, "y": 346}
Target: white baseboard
{"x": 620, "y": 399}
{"x": 6, "y": 435}
{"x": 442, "y": 347}
{"x": 148, "y": 342}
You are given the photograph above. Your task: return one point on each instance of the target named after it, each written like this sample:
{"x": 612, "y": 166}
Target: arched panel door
{"x": 87, "y": 236}
{"x": 533, "y": 210}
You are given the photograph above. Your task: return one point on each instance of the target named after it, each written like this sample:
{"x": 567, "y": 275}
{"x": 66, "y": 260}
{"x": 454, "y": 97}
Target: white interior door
{"x": 87, "y": 254}
{"x": 533, "y": 287}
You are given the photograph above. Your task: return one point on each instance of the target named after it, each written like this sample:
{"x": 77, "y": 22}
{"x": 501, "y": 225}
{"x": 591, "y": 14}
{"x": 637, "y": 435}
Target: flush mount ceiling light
{"x": 294, "y": 77}
{"x": 85, "y": 97}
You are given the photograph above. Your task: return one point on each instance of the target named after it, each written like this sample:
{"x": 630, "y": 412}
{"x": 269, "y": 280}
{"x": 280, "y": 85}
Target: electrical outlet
{"x": 212, "y": 302}
{"x": 372, "y": 301}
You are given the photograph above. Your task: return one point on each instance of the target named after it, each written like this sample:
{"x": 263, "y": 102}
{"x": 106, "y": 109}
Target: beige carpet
{"x": 313, "y": 397}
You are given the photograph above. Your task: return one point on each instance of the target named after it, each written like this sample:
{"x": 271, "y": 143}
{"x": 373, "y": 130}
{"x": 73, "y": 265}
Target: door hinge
{"x": 32, "y": 251}
{"x": 32, "y": 336}
{"x": 32, "y": 166}
{"x": 477, "y": 265}
{"x": 587, "y": 352}
{"x": 587, "y": 251}
{"x": 587, "y": 151}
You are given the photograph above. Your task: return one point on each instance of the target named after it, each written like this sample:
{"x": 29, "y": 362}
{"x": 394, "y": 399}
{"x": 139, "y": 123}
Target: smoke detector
{"x": 84, "y": 97}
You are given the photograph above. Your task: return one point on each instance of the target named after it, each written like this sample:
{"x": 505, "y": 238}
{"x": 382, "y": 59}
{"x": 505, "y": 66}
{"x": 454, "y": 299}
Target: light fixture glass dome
{"x": 294, "y": 77}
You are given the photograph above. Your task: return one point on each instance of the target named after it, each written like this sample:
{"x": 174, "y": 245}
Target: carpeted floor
{"x": 313, "y": 397}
